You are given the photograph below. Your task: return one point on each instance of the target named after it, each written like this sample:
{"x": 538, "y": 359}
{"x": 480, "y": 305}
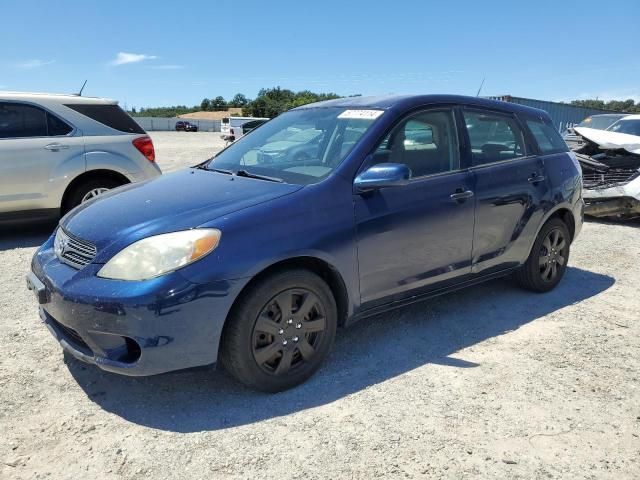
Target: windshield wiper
{"x": 219, "y": 170}
{"x": 244, "y": 173}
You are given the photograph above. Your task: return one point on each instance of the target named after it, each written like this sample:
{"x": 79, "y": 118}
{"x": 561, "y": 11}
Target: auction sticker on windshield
{"x": 366, "y": 114}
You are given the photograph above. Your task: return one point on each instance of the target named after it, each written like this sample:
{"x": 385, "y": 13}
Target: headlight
{"x": 160, "y": 254}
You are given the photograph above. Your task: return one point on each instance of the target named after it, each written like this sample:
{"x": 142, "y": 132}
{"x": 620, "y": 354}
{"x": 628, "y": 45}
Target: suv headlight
{"x": 160, "y": 254}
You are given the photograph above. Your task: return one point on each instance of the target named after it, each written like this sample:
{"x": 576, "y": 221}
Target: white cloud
{"x": 124, "y": 58}
{"x": 33, "y": 63}
{"x": 168, "y": 67}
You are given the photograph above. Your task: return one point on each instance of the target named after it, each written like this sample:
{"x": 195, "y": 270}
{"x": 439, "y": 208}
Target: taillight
{"x": 145, "y": 147}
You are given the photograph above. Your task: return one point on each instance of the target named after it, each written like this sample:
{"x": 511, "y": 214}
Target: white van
{"x": 228, "y": 123}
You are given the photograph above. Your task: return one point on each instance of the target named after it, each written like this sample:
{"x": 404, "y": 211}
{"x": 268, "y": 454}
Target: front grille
{"x": 73, "y": 251}
{"x": 610, "y": 178}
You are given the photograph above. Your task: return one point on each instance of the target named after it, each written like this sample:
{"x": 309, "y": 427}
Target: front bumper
{"x": 131, "y": 328}
{"x": 619, "y": 200}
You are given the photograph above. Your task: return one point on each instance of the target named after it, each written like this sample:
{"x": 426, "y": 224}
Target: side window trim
{"x": 47, "y": 112}
{"x": 529, "y": 150}
{"x": 449, "y": 108}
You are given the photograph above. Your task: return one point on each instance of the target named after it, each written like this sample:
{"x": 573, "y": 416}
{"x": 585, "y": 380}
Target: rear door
{"x": 34, "y": 144}
{"x": 510, "y": 189}
{"x": 416, "y": 236}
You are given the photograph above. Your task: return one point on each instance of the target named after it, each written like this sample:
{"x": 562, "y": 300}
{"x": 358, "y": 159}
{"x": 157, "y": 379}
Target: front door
{"x": 417, "y": 236}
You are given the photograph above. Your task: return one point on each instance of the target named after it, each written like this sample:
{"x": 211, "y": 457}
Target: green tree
{"x": 239, "y": 100}
{"x": 205, "y": 104}
{"x": 218, "y": 104}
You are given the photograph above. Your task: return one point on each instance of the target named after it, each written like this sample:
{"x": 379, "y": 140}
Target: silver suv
{"x": 57, "y": 151}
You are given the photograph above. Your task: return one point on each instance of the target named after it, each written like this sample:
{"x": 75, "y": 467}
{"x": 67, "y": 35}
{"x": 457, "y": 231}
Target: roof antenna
{"x": 80, "y": 92}
{"x": 478, "y": 94}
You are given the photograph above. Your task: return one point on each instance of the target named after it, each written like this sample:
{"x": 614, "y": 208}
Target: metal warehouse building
{"x": 563, "y": 115}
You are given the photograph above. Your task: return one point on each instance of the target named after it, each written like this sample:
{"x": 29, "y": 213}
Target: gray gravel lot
{"x": 489, "y": 382}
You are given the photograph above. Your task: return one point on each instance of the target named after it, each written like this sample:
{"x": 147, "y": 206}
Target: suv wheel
{"x": 280, "y": 331}
{"x": 548, "y": 259}
{"x": 88, "y": 190}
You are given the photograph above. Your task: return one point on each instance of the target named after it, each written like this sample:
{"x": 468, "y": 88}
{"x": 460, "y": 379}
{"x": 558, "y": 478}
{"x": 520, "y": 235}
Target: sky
{"x": 146, "y": 53}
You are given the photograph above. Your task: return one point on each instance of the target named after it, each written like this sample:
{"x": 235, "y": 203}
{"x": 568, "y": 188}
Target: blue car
{"x": 253, "y": 262}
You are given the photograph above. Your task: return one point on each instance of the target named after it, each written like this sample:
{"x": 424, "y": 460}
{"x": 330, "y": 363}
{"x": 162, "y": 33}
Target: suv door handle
{"x": 536, "y": 178}
{"x": 54, "y": 147}
{"x": 461, "y": 195}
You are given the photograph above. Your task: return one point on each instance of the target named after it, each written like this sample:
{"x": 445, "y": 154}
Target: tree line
{"x": 269, "y": 103}
{"x": 628, "y": 106}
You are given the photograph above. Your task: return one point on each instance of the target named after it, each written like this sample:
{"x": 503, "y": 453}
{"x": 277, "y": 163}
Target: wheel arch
{"x": 320, "y": 267}
{"x": 87, "y": 176}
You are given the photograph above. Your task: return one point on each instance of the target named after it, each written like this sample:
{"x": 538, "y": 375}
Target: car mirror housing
{"x": 382, "y": 175}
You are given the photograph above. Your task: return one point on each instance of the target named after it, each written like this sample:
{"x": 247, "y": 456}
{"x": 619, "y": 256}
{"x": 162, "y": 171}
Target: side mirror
{"x": 382, "y": 175}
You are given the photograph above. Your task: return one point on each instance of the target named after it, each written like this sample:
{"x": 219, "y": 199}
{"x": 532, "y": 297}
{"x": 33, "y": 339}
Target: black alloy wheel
{"x": 280, "y": 330}
{"x": 288, "y": 330}
{"x": 547, "y": 261}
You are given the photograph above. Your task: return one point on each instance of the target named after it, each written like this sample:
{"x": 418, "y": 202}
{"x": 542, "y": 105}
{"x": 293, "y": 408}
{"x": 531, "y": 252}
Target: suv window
{"x": 56, "y": 127}
{"x": 18, "y": 120}
{"x": 494, "y": 137}
{"x": 547, "y": 138}
{"x": 426, "y": 142}
{"x": 110, "y": 115}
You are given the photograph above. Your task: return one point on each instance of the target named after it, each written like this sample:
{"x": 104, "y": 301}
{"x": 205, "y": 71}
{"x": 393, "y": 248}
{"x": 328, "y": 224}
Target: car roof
{"x": 631, "y": 117}
{"x": 409, "y": 101}
{"x": 54, "y": 97}
{"x": 609, "y": 115}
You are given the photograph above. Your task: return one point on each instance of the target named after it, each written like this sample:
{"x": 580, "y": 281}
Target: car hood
{"x": 172, "y": 202}
{"x": 611, "y": 140}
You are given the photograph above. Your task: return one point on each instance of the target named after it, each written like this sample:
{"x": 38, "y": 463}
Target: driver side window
{"x": 494, "y": 137}
{"x": 427, "y": 142}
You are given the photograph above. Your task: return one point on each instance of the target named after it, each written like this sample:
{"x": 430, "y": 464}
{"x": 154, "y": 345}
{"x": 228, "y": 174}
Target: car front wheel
{"x": 280, "y": 331}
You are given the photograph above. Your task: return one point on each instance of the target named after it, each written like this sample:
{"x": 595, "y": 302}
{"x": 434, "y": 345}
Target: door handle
{"x": 461, "y": 195}
{"x": 54, "y": 147}
{"x": 536, "y": 178}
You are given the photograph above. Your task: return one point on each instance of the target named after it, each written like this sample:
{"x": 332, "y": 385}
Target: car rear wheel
{"x": 548, "y": 259}
{"x": 280, "y": 331}
{"x": 89, "y": 190}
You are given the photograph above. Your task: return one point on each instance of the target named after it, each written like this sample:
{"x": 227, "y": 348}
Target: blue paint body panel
{"x": 388, "y": 246}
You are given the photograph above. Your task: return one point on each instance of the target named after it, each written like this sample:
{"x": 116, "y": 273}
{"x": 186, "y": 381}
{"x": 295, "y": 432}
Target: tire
{"x": 267, "y": 351}
{"x": 548, "y": 259}
{"x": 80, "y": 192}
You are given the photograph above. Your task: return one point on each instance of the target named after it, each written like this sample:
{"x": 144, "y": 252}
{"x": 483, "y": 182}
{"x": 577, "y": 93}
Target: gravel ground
{"x": 490, "y": 382}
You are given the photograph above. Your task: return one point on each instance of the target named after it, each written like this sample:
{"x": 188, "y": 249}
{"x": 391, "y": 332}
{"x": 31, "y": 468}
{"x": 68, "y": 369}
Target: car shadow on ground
{"x": 25, "y": 236}
{"x": 370, "y": 352}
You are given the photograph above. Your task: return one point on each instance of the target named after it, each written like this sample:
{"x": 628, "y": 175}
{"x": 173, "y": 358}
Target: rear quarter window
{"x": 110, "y": 115}
{"x": 547, "y": 137}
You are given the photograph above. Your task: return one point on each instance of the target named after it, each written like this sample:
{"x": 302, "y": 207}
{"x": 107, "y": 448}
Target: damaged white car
{"x": 610, "y": 162}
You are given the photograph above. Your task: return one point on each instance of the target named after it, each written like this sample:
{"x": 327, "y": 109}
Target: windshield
{"x": 299, "y": 146}
{"x": 599, "y": 122}
{"x": 630, "y": 127}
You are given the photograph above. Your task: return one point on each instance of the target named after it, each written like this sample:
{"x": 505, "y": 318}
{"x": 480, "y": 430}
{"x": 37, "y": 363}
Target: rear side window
{"x": 19, "y": 121}
{"x": 57, "y": 127}
{"x": 494, "y": 137}
{"x": 110, "y": 115}
{"x": 547, "y": 138}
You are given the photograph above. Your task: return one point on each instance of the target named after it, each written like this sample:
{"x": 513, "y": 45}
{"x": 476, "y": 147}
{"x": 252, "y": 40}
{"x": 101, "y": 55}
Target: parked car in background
{"x": 230, "y": 127}
{"x": 58, "y": 151}
{"x": 610, "y": 162}
{"x": 597, "y": 122}
{"x": 255, "y": 257}
{"x": 184, "y": 126}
